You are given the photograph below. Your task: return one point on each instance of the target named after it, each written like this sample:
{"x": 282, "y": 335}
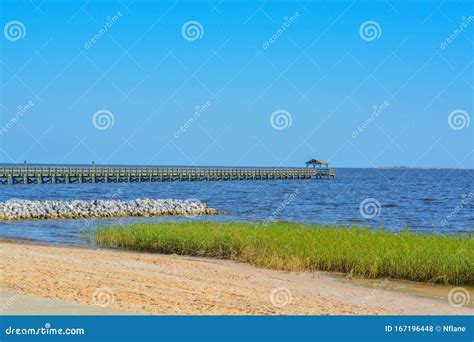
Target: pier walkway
{"x": 31, "y": 174}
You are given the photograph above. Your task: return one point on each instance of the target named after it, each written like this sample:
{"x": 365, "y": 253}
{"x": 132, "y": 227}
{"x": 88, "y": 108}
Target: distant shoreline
{"x": 388, "y": 167}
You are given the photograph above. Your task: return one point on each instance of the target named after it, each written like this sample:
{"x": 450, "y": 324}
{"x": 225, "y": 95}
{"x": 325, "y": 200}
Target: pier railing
{"x": 21, "y": 174}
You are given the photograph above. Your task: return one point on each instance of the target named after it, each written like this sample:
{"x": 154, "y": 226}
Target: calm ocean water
{"x": 429, "y": 201}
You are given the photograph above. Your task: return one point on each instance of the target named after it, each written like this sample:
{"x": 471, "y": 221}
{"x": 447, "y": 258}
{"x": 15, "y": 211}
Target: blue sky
{"x": 398, "y": 93}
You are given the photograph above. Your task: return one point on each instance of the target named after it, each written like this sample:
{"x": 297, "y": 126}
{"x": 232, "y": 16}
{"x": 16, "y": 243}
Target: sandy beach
{"x": 144, "y": 283}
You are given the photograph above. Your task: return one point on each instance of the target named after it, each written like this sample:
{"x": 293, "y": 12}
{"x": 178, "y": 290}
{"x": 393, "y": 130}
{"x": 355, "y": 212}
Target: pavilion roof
{"x": 317, "y": 161}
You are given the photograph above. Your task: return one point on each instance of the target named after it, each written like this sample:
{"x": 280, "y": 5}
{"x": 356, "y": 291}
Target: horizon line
{"x": 387, "y": 167}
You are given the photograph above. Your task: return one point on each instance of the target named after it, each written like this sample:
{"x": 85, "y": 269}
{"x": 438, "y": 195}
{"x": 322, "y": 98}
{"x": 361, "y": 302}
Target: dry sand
{"x": 167, "y": 284}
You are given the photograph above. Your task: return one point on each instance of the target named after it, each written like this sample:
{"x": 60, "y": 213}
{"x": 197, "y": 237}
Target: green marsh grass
{"x": 296, "y": 247}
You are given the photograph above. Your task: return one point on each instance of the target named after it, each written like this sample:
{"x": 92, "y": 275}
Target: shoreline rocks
{"x": 16, "y": 209}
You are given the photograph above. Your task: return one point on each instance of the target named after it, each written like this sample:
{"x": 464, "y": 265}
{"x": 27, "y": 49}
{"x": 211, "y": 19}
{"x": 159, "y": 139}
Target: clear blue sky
{"x": 320, "y": 67}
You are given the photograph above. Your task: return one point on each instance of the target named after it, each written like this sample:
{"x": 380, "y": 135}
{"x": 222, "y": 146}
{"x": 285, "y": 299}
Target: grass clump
{"x": 297, "y": 247}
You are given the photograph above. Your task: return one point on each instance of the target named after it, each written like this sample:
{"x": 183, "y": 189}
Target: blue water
{"x": 428, "y": 201}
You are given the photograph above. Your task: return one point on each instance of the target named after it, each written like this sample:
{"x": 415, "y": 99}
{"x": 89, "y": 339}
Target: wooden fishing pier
{"x": 34, "y": 174}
